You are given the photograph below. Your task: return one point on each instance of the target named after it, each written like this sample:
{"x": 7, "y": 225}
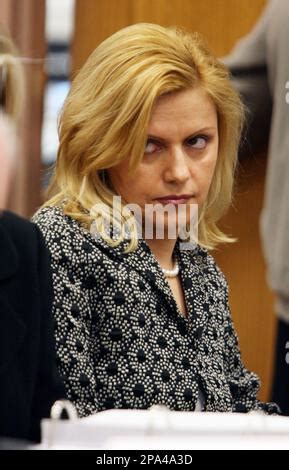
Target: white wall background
{"x": 59, "y": 20}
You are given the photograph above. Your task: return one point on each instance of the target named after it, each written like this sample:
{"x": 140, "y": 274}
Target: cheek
{"x": 211, "y": 170}
{"x": 212, "y": 161}
{"x": 207, "y": 171}
{"x": 118, "y": 179}
{"x": 205, "y": 178}
{"x": 128, "y": 188}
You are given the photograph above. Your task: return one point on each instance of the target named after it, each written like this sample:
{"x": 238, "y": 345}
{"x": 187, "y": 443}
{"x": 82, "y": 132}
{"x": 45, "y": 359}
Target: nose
{"x": 177, "y": 166}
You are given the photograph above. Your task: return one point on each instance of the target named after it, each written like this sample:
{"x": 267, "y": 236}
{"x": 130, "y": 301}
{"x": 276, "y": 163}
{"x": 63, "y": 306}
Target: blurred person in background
{"x": 260, "y": 67}
{"x": 7, "y": 148}
{"x": 28, "y": 377}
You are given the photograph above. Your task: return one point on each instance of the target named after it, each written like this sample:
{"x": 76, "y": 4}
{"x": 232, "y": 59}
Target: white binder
{"x": 160, "y": 428}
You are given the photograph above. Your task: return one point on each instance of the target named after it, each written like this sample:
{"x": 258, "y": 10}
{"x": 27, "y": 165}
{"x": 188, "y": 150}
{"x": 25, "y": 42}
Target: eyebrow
{"x": 199, "y": 131}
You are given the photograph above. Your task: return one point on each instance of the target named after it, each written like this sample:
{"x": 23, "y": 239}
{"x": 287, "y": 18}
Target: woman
{"x": 152, "y": 119}
{"x": 28, "y": 377}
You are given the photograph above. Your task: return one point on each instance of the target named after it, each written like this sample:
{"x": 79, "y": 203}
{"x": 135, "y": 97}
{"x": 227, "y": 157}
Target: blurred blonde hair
{"x": 105, "y": 118}
{"x": 8, "y": 136}
{"x": 11, "y": 77}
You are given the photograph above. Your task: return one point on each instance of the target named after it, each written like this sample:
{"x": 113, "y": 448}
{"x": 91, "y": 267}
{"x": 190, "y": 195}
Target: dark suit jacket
{"x": 28, "y": 379}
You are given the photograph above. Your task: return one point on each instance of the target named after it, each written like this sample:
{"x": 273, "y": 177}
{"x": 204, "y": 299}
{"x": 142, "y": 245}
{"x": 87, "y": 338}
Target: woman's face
{"x": 179, "y": 159}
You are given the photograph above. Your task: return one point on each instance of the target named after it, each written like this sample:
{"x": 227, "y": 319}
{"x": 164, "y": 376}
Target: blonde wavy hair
{"x": 11, "y": 77}
{"x": 106, "y": 114}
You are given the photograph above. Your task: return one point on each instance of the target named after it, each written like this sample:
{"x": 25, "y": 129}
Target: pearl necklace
{"x": 172, "y": 272}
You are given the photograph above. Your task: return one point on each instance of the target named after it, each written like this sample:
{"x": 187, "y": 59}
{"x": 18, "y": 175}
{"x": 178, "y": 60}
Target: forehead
{"x": 187, "y": 109}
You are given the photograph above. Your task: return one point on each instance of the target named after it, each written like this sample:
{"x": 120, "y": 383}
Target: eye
{"x": 151, "y": 147}
{"x": 198, "y": 142}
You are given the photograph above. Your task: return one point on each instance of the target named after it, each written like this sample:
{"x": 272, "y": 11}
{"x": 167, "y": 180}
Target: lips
{"x": 174, "y": 199}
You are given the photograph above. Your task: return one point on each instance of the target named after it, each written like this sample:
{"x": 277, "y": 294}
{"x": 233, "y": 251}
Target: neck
{"x": 163, "y": 251}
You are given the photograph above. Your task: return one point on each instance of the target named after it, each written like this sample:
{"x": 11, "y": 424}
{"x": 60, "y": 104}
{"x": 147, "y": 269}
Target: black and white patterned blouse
{"x": 121, "y": 340}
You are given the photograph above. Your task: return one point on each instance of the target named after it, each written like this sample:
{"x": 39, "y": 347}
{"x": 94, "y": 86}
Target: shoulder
{"x": 60, "y": 231}
{"x": 212, "y": 266}
{"x": 205, "y": 264}
{"x": 21, "y": 232}
{"x": 68, "y": 241}
{"x": 16, "y": 226}
{"x": 55, "y": 225}
{"x": 53, "y": 217}
{"x": 22, "y": 247}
